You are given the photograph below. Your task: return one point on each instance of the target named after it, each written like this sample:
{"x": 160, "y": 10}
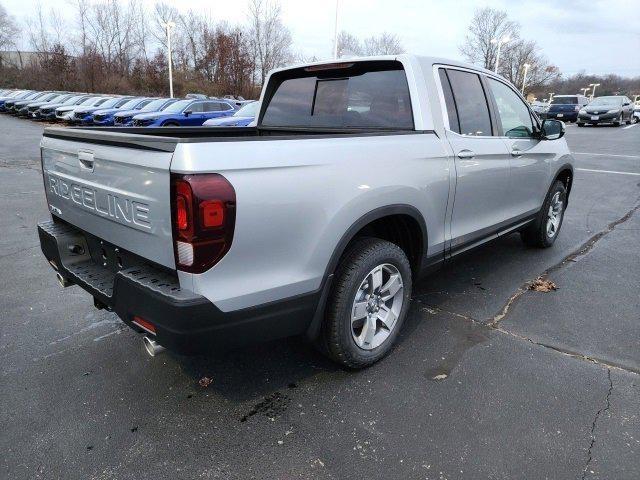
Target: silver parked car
{"x": 361, "y": 176}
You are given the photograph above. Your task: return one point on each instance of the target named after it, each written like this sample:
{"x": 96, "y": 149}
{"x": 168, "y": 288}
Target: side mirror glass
{"x": 187, "y": 113}
{"x": 552, "y": 129}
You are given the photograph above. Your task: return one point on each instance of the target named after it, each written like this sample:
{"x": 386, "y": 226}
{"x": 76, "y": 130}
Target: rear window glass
{"x": 564, "y": 101}
{"x": 361, "y": 96}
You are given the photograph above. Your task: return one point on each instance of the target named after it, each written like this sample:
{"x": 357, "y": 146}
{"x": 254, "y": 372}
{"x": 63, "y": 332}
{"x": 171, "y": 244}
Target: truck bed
{"x": 166, "y": 138}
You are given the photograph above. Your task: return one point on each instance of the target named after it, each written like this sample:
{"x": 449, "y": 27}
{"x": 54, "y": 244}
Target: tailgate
{"x": 116, "y": 191}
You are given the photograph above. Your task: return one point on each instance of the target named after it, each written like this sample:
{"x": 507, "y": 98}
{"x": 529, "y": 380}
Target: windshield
{"x": 109, "y": 102}
{"x": 72, "y": 100}
{"x": 606, "y": 101}
{"x": 89, "y": 101}
{"x": 248, "y": 110}
{"x": 131, "y": 104}
{"x": 178, "y": 106}
{"x": 564, "y": 101}
{"x": 154, "y": 106}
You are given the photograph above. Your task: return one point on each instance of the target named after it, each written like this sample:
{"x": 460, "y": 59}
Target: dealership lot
{"x": 490, "y": 379}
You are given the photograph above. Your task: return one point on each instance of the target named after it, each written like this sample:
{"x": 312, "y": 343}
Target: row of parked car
{"x": 611, "y": 109}
{"x": 88, "y": 109}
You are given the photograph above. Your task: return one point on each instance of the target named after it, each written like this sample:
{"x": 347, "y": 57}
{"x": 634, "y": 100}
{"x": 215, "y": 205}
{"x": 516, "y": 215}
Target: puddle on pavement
{"x": 466, "y": 335}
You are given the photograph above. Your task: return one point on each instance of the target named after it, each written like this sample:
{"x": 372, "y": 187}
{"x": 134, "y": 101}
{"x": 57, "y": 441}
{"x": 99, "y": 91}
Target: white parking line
{"x": 606, "y": 155}
{"x": 631, "y": 126}
{"x": 607, "y": 171}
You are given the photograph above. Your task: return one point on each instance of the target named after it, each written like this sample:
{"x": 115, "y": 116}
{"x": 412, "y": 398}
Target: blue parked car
{"x": 105, "y": 116}
{"x": 28, "y": 109}
{"x": 566, "y": 107}
{"x": 30, "y": 97}
{"x": 13, "y": 96}
{"x": 48, "y": 110}
{"x": 124, "y": 118}
{"x": 84, "y": 115}
{"x": 243, "y": 117}
{"x": 185, "y": 113}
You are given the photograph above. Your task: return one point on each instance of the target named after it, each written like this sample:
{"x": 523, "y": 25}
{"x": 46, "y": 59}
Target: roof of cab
{"x": 404, "y": 58}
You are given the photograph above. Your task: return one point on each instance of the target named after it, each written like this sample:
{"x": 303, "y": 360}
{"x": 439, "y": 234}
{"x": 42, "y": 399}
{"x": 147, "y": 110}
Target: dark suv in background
{"x": 614, "y": 109}
{"x": 566, "y": 107}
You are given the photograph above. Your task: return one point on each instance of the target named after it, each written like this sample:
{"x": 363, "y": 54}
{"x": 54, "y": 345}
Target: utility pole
{"x": 335, "y": 32}
{"x": 169, "y": 26}
{"x": 593, "y": 92}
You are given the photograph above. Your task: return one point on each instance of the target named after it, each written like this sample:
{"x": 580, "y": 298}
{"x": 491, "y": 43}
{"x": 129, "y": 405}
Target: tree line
{"x": 110, "y": 46}
{"x": 480, "y": 47}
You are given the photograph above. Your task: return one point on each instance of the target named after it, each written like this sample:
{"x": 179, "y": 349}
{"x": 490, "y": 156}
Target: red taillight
{"x": 204, "y": 215}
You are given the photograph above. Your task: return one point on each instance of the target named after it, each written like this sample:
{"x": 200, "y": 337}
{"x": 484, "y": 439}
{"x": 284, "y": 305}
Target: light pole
{"x": 551, "y": 97}
{"x": 584, "y": 91}
{"x": 500, "y": 42}
{"x": 524, "y": 77}
{"x": 593, "y": 92}
{"x": 169, "y": 26}
{"x": 335, "y": 32}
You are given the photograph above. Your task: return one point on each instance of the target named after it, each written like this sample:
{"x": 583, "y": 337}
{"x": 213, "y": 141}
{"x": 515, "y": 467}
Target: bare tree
{"x": 348, "y": 45}
{"x": 487, "y": 25}
{"x": 8, "y": 30}
{"x": 522, "y": 52}
{"x": 383, "y": 44}
{"x": 270, "y": 39}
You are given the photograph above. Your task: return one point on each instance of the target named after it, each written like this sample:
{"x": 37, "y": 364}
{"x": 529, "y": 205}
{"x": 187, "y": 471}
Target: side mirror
{"x": 187, "y": 113}
{"x": 552, "y": 130}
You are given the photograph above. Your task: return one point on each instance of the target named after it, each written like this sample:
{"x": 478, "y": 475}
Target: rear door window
{"x": 471, "y": 103}
{"x": 360, "y": 95}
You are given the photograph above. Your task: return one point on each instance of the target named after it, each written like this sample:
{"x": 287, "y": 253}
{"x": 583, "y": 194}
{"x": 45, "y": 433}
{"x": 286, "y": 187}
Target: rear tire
{"x": 368, "y": 303}
{"x": 542, "y": 233}
{"x": 170, "y": 124}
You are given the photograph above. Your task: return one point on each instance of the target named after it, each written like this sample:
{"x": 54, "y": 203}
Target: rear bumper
{"x": 569, "y": 116}
{"x": 185, "y": 322}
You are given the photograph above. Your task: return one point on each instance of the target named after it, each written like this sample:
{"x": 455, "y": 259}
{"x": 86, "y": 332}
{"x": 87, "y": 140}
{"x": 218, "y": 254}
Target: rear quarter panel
{"x": 296, "y": 198}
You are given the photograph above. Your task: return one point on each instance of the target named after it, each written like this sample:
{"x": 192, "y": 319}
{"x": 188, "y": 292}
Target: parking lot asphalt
{"x": 489, "y": 380}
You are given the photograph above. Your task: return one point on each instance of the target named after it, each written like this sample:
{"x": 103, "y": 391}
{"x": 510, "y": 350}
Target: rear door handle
{"x": 466, "y": 154}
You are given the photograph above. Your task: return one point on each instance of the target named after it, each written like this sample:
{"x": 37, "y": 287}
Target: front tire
{"x": 580, "y": 124}
{"x": 542, "y": 233}
{"x": 618, "y": 122}
{"x": 368, "y": 303}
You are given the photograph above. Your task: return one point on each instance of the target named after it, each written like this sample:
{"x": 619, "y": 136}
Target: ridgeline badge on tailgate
{"x": 118, "y": 208}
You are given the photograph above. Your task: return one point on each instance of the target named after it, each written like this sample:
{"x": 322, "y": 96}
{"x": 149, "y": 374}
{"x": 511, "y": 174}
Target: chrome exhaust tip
{"x": 64, "y": 283}
{"x": 152, "y": 347}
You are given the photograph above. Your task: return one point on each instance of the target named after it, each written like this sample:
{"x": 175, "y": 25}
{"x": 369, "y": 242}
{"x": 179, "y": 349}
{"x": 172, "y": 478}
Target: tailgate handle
{"x": 86, "y": 160}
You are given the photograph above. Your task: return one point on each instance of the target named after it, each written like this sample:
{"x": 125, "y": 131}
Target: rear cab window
{"x": 364, "y": 95}
{"x": 466, "y": 102}
{"x": 564, "y": 101}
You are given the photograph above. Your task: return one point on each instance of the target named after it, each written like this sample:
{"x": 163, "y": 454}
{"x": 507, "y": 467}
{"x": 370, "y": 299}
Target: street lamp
{"x": 500, "y": 42}
{"x": 593, "y": 92}
{"x": 551, "y": 97}
{"x": 169, "y": 26}
{"x": 524, "y": 77}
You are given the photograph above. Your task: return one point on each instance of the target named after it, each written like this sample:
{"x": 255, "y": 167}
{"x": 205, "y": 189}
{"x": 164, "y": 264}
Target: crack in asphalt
{"x": 584, "y": 249}
{"x": 595, "y": 421}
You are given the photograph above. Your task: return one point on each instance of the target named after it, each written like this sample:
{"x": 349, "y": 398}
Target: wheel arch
{"x": 357, "y": 227}
{"x": 565, "y": 175}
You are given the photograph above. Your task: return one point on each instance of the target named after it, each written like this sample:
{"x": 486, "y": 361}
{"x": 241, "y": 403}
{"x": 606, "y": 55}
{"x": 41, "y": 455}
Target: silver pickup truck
{"x": 360, "y": 176}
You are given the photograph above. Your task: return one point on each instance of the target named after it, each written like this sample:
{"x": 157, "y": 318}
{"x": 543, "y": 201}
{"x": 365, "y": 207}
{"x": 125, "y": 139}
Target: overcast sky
{"x": 595, "y": 36}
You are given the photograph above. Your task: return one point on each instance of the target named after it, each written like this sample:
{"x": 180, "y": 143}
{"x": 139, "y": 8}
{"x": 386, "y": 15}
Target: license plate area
{"x": 595, "y": 117}
{"x": 108, "y": 255}
{"x": 560, "y": 115}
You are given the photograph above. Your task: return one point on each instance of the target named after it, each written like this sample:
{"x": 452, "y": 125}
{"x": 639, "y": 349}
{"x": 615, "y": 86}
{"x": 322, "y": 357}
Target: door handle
{"x": 516, "y": 152}
{"x": 466, "y": 154}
